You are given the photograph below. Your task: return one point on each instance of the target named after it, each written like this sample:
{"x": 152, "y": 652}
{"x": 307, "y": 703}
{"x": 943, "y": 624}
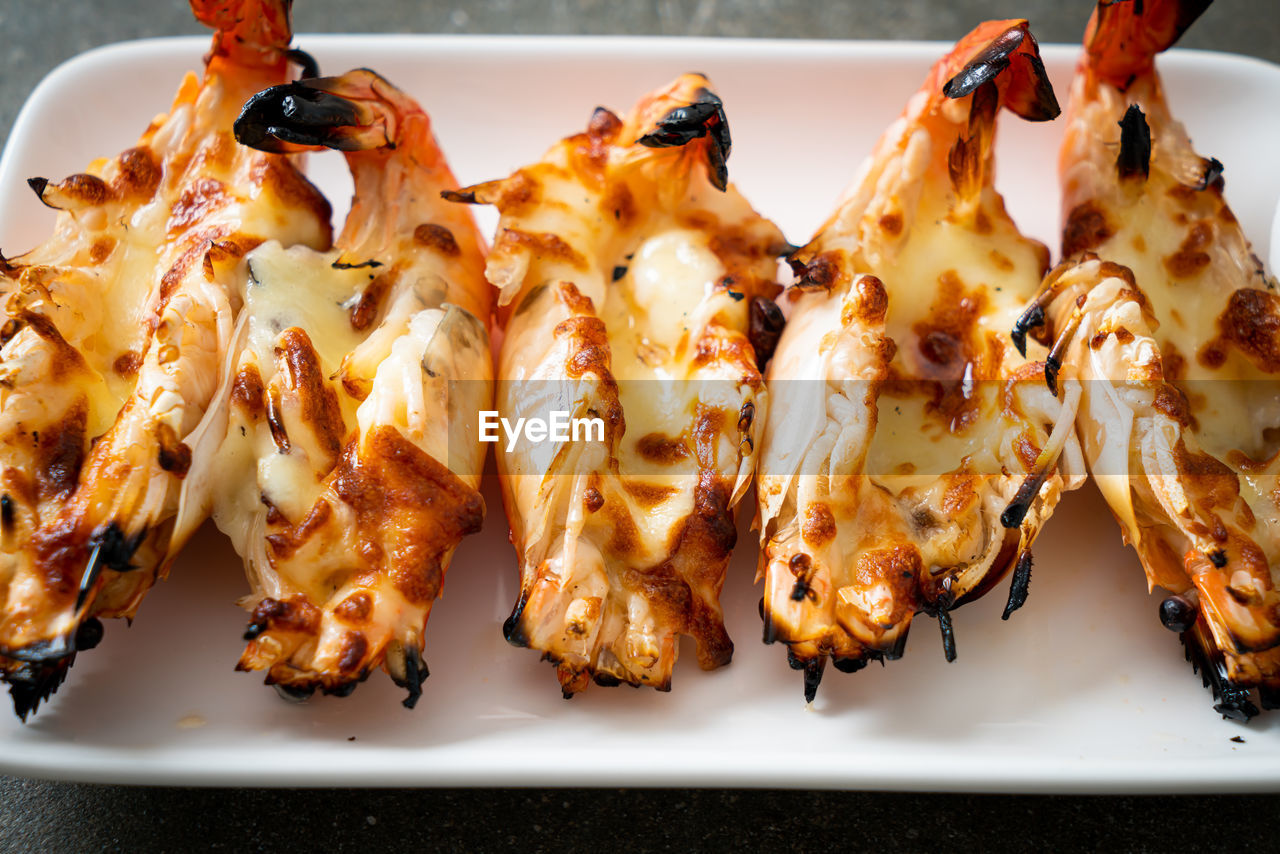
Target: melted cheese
{"x": 957, "y": 274}
{"x": 1002, "y": 266}
{"x": 1151, "y": 221}
{"x": 911, "y": 448}
{"x": 299, "y": 287}
{"x": 582, "y": 521}
{"x": 671, "y": 273}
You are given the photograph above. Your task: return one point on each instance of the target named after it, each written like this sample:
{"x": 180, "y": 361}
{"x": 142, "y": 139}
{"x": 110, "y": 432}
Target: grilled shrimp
{"x": 345, "y": 465}
{"x": 637, "y": 287}
{"x": 1165, "y": 319}
{"x": 116, "y": 330}
{"x": 906, "y": 461}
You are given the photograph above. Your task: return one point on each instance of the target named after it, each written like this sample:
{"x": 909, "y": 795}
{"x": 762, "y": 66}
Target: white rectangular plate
{"x": 1082, "y": 690}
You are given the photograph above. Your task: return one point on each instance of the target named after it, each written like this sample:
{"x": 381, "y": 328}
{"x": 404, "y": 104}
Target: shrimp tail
{"x": 997, "y": 64}
{"x": 1124, "y": 36}
{"x": 390, "y": 148}
{"x": 702, "y": 118}
{"x": 686, "y": 115}
{"x": 357, "y": 111}
{"x": 247, "y": 32}
{"x": 1004, "y": 53}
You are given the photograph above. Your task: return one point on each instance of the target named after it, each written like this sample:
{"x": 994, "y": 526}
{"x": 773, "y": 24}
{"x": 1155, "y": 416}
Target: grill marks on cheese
{"x": 629, "y": 280}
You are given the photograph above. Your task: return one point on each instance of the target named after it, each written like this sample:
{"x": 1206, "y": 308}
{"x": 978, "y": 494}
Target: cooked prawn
{"x": 907, "y": 457}
{"x": 1168, "y": 322}
{"x": 637, "y": 284}
{"x": 346, "y": 466}
{"x": 117, "y": 327}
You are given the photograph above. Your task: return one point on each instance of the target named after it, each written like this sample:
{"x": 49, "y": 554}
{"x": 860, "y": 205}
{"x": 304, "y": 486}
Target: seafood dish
{"x": 635, "y": 284}
{"x": 910, "y": 403}
{"x": 1163, "y": 325}
{"x": 344, "y": 459}
{"x": 911, "y": 456}
{"x": 115, "y": 332}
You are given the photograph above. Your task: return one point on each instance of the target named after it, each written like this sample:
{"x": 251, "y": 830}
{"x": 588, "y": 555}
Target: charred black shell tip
{"x": 1051, "y": 368}
{"x": 1030, "y": 319}
{"x": 38, "y": 185}
{"x": 89, "y": 634}
{"x": 293, "y": 112}
{"x": 771, "y": 316}
{"x": 307, "y": 66}
{"x": 682, "y": 125}
{"x": 1213, "y": 171}
{"x": 948, "y": 634}
{"x": 720, "y": 178}
{"x": 1020, "y": 585}
{"x": 110, "y": 549}
{"x": 342, "y": 265}
{"x": 1239, "y": 709}
{"x": 850, "y": 665}
{"x": 1177, "y": 614}
{"x": 812, "y": 679}
{"x": 812, "y": 668}
{"x": 511, "y": 629}
{"x": 305, "y": 108}
{"x": 987, "y": 65}
{"x": 1046, "y": 107}
{"x": 415, "y": 673}
{"x": 116, "y": 550}
{"x": 465, "y": 197}
{"x": 45, "y": 652}
{"x": 250, "y": 127}
{"x": 1014, "y": 514}
{"x": 765, "y": 325}
{"x": 1019, "y": 338}
{"x": 970, "y": 78}
{"x": 32, "y": 684}
{"x": 894, "y": 652}
{"x": 1232, "y": 700}
{"x": 294, "y": 693}
{"x": 1135, "y": 144}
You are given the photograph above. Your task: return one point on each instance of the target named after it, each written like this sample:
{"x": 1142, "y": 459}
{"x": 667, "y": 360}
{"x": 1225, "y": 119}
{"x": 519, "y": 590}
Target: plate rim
{"x": 121, "y": 765}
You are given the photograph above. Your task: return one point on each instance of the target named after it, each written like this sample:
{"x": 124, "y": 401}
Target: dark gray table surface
{"x": 45, "y": 816}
